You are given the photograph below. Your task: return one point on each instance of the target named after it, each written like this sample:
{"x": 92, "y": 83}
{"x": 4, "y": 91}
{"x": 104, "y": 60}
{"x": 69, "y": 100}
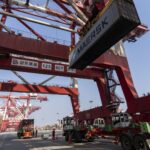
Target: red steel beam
{"x": 26, "y": 88}
{"x": 33, "y": 31}
{"x": 3, "y": 20}
{"x": 54, "y": 51}
{"x": 44, "y": 67}
{"x": 55, "y": 13}
{"x": 61, "y": 52}
{"x": 31, "y": 47}
{"x": 91, "y": 114}
{"x": 41, "y": 49}
{"x": 15, "y": 87}
{"x": 25, "y": 24}
{"x": 142, "y": 104}
{"x": 40, "y": 16}
{"x": 28, "y": 97}
{"x": 62, "y": 6}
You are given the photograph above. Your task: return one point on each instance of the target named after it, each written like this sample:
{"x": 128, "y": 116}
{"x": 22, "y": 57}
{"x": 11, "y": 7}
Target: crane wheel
{"x": 126, "y": 142}
{"x": 140, "y": 142}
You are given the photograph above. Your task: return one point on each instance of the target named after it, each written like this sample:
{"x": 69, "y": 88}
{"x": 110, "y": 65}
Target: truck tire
{"x": 91, "y": 139}
{"x": 18, "y": 135}
{"x": 140, "y": 142}
{"x": 126, "y": 142}
{"x": 67, "y": 137}
{"x": 77, "y": 137}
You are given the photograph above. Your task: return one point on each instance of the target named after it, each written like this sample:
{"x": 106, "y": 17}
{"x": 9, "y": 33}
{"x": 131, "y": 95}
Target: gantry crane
{"x": 14, "y": 111}
{"x": 72, "y": 17}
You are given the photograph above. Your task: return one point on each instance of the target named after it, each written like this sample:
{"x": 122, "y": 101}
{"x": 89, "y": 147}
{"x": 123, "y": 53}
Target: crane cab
{"x": 99, "y": 123}
{"x": 121, "y": 120}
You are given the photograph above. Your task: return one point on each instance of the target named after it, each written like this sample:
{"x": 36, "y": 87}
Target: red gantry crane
{"x": 90, "y": 19}
{"x": 14, "y": 111}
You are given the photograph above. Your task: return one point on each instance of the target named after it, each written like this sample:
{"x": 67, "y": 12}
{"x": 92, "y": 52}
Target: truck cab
{"x": 121, "y": 120}
{"x": 26, "y": 128}
{"x": 68, "y": 123}
{"x": 99, "y": 123}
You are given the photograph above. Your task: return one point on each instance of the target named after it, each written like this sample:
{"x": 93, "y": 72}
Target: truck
{"x": 131, "y": 134}
{"x": 26, "y": 129}
{"x": 121, "y": 126}
{"x": 76, "y": 131}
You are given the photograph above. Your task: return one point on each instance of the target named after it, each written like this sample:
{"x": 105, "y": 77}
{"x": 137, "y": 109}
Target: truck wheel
{"x": 18, "y": 135}
{"x": 67, "y": 137}
{"x": 77, "y": 137}
{"x": 91, "y": 139}
{"x": 126, "y": 142}
{"x": 140, "y": 143}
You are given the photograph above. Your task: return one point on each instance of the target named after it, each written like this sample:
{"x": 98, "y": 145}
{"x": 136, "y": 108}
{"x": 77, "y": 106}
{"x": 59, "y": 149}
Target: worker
{"x": 36, "y": 132}
{"x": 53, "y": 134}
{"x": 33, "y": 133}
{"x": 27, "y": 2}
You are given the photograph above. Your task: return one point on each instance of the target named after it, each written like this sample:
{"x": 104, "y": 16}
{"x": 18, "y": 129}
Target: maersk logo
{"x": 93, "y": 35}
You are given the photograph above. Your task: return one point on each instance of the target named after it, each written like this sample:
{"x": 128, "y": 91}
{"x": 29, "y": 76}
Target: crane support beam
{"x": 24, "y": 46}
{"x": 142, "y": 104}
{"x": 27, "y": 98}
{"x": 41, "y": 49}
{"x": 41, "y": 9}
{"x": 98, "y": 112}
{"x": 69, "y": 12}
{"x": 77, "y": 9}
{"x": 5, "y": 27}
{"x": 23, "y": 88}
{"x": 37, "y": 21}
{"x": 21, "y": 45}
{"x": 33, "y": 31}
{"x": 28, "y": 88}
{"x": 45, "y": 81}
{"x": 44, "y": 67}
{"x": 20, "y": 77}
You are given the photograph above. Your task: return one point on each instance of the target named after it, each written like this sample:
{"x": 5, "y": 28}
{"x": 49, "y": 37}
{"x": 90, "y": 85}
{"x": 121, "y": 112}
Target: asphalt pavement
{"x": 9, "y": 141}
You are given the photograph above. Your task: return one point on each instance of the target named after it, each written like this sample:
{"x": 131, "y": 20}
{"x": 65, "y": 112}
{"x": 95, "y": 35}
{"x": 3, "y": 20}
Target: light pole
{"x": 58, "y": 119}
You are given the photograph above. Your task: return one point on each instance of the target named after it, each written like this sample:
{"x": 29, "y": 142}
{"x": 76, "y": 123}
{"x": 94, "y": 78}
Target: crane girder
{"x": 17, "y": 87}
{"x": 28, "y": 88}
{"x": 45, "y": 67}
{"x": 41, "y": 49}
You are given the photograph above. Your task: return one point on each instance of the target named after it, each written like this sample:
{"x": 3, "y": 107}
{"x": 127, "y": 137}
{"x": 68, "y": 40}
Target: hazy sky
{"x": 58, "y": 106}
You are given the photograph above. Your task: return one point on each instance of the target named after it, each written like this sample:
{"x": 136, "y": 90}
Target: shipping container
{"x": 117, "y": 19}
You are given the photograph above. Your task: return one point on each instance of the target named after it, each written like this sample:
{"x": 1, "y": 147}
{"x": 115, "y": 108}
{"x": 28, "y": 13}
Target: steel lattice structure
{"x": 14, "y": 111}
{"x": 51, "y": 57}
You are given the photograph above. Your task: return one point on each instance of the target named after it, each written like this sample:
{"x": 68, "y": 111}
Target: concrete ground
{"x": 9, "y": 141}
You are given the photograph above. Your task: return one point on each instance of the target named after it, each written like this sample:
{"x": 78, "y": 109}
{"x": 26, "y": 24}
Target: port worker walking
{"x": 53, "y": 134}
